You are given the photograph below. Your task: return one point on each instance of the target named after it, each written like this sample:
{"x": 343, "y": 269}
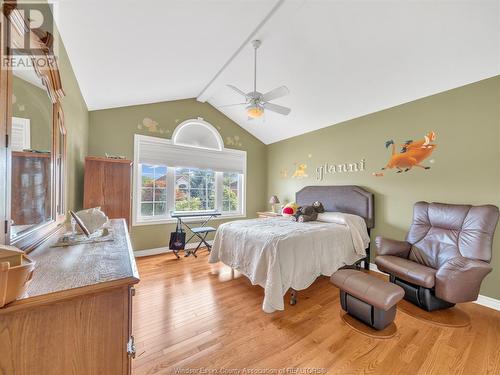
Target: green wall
{"x": 33, "y": 103}
{"x": 76, "y": 119}
{"x": 464, "y": 166}
{"x": 112, "y": 131}
{"x": 76, "y": 116}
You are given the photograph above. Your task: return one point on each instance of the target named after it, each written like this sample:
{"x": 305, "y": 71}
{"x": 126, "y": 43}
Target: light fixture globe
{"x": 255, "y": 111}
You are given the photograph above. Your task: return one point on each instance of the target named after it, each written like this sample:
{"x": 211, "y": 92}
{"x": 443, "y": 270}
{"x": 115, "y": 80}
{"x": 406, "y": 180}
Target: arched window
{"x": 197, "y": 133}
{"x": 191, "y": 172}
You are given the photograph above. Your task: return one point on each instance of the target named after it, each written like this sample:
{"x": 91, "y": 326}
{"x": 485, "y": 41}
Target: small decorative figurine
{"x": 93, "y": 218}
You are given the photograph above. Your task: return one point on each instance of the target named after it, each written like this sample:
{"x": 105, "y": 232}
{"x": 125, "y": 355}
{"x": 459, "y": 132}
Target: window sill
{"x": 190, "y": 220}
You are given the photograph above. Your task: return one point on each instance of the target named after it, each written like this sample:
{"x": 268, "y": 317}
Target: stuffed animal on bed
{"x": 290, "y": 209}
{"x": 304, "y": 214}
{"x": 318, "y": 207}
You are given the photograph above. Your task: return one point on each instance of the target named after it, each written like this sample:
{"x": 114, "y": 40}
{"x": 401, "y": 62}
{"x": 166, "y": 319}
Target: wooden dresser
{"x": 108, "y": 185}
{"x": 76, "y": 317}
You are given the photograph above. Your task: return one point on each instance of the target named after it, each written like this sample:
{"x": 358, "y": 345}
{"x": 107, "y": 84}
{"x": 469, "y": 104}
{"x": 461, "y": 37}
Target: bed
{"x": 279, "y": 254}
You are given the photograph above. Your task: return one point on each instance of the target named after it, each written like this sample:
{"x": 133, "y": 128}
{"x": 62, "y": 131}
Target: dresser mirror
{"x": 33, "y": 122}
{"x": 31, "y": 153}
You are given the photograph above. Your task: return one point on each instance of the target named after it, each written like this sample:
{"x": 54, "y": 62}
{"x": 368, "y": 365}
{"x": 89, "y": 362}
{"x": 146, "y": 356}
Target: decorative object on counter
{"x": 290, "y": 209}
{"x": 16, "y": 270}
{"x": 116, "y": 157}
{"x": 93, "y": 219}
{"x": 273, "y": 201}
{"x": 87, "y": 226}
{"x": 70, "y": 238}
{"x": 77, "y": 222}
{"x": 11, "y": 254}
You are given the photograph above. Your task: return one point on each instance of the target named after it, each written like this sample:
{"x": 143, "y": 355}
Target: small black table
{"x": 201, "y": 232}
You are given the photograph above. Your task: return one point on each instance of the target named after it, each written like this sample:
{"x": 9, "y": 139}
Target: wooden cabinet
{"x": 30, "y": 191}
{"x": 108, "y": 185}
{"x": 77, "y": 315}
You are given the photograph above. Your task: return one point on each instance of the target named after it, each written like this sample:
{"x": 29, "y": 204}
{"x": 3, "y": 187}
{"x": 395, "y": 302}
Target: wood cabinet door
{"x": 84, "y": 335}
{"x": 108, "y": 185}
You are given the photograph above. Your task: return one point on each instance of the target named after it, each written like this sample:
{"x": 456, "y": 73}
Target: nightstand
{"x": 268, "y": 214}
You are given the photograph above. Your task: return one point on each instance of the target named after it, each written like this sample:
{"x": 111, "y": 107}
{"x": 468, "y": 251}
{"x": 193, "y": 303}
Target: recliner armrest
{"x": 459, "y": 279}
{"x": 386, "y": 246}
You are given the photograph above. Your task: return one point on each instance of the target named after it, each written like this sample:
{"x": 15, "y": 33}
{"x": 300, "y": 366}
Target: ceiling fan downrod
{"x": 256, "y": 44}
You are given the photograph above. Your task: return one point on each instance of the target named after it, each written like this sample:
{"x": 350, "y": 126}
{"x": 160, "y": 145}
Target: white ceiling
{"x": 340, "y": 59}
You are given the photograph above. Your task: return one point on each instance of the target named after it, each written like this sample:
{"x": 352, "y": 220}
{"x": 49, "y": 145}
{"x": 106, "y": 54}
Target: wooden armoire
{"x": 108, "y": 185}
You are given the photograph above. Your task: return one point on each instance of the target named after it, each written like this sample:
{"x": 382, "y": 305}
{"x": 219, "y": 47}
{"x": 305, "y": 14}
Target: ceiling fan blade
{"x": 276, "y": 108}
{"x": 231, "y": 105}
{"x": 238, "y": 90}
{"x": 276, "y": 93}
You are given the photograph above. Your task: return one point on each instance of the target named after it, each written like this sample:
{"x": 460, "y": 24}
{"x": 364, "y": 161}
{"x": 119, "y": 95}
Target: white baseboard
{"x": 162, "y": 250}
{"x": 492, "y": 303}
{"x": 486, "y": 301}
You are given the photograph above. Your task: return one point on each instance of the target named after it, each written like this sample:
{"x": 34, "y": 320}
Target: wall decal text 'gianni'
{"x": 328, "y": 168}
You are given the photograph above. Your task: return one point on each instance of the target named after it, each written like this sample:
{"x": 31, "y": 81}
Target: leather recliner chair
{"x": 446, "y": 254}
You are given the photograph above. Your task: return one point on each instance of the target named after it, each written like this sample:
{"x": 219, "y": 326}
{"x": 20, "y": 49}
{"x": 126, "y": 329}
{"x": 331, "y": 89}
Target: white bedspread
{"x": 278, "y": 254}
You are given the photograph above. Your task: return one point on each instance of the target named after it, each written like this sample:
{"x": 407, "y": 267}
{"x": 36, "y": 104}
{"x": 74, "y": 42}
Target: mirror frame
{"x": 13, "y": 30}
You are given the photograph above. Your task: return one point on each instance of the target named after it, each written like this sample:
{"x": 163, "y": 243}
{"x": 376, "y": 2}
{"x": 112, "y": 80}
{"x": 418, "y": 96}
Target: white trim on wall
{"x": 20, "y": 134}
{"x": 492, "y": 303}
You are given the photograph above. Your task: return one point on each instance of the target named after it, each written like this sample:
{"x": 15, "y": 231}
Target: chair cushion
{"x": 407, "y": 270}
{"x": 368, "y": 288}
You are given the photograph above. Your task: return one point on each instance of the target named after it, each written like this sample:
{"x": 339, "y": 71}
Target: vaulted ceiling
{"x": 340, "y": 59}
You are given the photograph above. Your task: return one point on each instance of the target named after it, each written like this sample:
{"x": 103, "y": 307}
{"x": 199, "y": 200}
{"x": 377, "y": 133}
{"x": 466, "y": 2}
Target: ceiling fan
{"x": 257, "y": 102}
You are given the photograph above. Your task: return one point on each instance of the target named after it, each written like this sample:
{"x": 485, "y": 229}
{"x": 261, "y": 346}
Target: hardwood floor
{"x": 193, "y": 317}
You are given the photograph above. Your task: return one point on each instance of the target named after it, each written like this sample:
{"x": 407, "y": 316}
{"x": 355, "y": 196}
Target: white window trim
{"x": 198, "y": 121}
{"x": 138, "y": 220}
{"x": 24, "y": 125}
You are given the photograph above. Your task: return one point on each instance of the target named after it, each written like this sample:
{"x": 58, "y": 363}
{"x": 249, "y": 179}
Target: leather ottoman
{"x": 367, "y": 298}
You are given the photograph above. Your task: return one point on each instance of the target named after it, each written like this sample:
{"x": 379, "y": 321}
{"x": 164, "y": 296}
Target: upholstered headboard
{"x": 348, "y": 199}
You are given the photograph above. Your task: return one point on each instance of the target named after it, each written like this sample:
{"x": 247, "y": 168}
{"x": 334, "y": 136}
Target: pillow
{"x": 338, "y": 217}
{"x": 332, "y": 217}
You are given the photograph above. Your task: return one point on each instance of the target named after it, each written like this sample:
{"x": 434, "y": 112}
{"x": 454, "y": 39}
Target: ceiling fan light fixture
{"x": 254, "y": 111}
{"x": 256, "y": 102}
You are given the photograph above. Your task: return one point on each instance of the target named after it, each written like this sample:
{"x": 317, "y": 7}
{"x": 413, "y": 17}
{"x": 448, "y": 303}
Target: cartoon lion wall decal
{"x": 412, "y": 154}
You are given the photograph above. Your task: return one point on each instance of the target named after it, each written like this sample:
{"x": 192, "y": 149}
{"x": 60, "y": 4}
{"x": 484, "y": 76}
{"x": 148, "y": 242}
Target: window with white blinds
{"x": 180, "y": 177}
{"x": 20, "y": 134}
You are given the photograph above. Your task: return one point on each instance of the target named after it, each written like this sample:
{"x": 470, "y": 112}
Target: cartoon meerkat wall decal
{"x": 412, "y": 154}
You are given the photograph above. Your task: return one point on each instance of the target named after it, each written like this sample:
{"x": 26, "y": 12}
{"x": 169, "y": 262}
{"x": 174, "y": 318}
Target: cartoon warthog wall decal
{"x": 412, "y": 154}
